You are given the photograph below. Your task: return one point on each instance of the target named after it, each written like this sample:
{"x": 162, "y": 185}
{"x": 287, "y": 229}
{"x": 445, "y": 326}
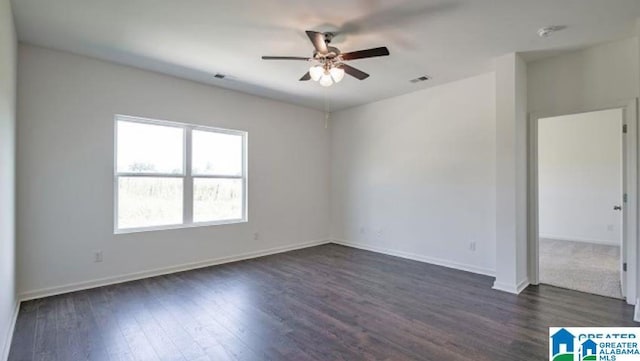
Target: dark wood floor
{"x": 323, "y": 303}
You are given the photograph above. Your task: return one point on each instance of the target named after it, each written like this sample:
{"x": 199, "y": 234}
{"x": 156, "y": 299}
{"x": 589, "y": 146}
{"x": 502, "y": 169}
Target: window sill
{"x": 179, "y": 226}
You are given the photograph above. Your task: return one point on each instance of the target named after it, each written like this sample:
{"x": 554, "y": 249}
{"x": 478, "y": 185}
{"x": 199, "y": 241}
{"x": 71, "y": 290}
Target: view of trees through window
{"x": 149, "y": 201}
{"x": 216, "y": 199}
{"x": 151, "y": 175}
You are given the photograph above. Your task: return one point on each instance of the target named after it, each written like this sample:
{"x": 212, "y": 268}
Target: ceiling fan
{"x": 328, "y": 62}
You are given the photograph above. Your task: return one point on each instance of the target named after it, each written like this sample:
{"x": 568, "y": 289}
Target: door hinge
{"x": 624, "y": 198}
{"x": 624, "y": 128}
{"x": 624, "y": 267}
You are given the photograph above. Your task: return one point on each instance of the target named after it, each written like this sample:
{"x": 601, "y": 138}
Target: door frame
{"x": 630, "y": 187}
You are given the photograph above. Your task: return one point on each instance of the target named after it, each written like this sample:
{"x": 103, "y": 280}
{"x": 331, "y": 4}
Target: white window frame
{"x": 187, "y": 176}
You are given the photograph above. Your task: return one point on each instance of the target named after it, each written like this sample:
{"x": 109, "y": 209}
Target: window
{"x": 174, "y": 175}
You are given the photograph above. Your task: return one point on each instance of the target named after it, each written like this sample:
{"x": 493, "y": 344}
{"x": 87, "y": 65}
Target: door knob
{"x": 617, "y": 208}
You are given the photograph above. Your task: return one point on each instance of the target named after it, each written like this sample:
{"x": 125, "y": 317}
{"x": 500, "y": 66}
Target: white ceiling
{"x": 194, "y": 39}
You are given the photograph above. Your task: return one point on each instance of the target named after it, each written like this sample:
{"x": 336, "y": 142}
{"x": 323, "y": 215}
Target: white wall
{"x": 580, "y": 176}
{"x": 637, "y": 271}
{"x": 65, "y": 170}
{"x": 597, "y": 77}
{"x": 7, "y": 173}
{"x": 511, "y": 173}
{"x": 414, "y": 175}
{"x": 583, "y": 80}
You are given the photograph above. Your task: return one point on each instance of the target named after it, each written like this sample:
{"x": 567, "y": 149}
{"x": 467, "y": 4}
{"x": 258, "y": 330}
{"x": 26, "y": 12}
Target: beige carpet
{"x": 580, "y": 266}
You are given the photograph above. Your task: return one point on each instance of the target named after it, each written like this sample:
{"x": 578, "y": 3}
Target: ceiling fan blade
{"x": 306, "y": 77}
{"x": 356, "y": 73}
{"x": 317, "y": 39}
{"x": 284, "y": 58}
{"x": 369, "y": 53}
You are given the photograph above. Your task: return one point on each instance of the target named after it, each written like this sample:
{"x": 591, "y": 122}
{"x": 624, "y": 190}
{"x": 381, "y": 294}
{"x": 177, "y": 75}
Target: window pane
{"x": 149, "y": 201}
{"x": 149, "y": 148}
{"x": 216, "y": 153}
{"x": 217, "y": 199}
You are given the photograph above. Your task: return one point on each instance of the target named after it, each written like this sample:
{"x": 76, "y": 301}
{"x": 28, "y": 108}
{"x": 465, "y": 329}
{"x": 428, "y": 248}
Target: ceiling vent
{"x": 420, "y": 79}
{"x": 549, "y": 30}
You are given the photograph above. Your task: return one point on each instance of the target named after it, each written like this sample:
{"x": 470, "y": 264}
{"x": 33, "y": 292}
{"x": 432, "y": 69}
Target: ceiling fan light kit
{"x": 337, "y": 74}
{"x": 326, "y": 80}
{"x": 326, "y": 74}
{"x": 329, "y": 66}
{"x": 316, "y": 72}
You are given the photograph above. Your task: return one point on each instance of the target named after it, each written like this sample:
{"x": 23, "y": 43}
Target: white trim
{"x": 580, "y": 239}
{"x": 52, "y": 291}
{"x": 636, "y": 311}
{"x": 151, "y": 175}
{"x": 419, "y": 258}
{"x": 170, "y": 123}
{"x": 630, "y": 207}
{"x": 187, "y": 185}
{"x": 178, "y": 226}
{"x": 533, "y": 229}
{"x": 10, "y": 331}
{"x": 515, "y": 289}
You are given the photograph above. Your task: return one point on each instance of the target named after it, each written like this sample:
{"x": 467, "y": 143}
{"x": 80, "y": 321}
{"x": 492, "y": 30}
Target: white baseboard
{"x": 580, "y": 239}
{"x": 9, "y": 337}
{"x": 511, "y": 288}
{"x": 52, "y": 291}
{"x": 417, "y": 257}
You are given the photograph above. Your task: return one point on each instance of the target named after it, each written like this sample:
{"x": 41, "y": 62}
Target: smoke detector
{"x": 548, "y": 30}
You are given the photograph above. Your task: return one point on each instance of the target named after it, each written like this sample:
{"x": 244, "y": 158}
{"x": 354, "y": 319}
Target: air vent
{"x": 420, "y": 79}
{"x": 219, "y": 76}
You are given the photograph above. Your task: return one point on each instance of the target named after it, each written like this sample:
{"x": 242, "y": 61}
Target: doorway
{"x": 627, "y": 254}
{"x": 580, "y": 201}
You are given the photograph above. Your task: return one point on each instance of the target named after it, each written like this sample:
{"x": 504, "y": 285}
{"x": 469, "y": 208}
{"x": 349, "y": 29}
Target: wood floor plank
{"x": 85, "y": 331}
{"x": 244, "y": 319}
{"x": 216, "y": 344}
{"x": 46, "y": 331}
{"x": 161, "y": 343}
{"x": 25, "y": 334}
{"x": 122, "y": 305}
{"x": 173, "y": 327}
{"x": 322, "y": 303}
{"x": 107, "y": 327}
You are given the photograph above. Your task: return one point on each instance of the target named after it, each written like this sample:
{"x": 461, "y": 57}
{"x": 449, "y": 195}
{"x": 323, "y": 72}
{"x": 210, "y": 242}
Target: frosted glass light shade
{"x": 316, "y": 72}
{"x": 326, "y": 80}
{"x": 337, "y": 74}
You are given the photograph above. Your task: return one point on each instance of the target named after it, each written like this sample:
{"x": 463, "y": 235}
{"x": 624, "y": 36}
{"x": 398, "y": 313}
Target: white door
{"x": 622, "y": 209}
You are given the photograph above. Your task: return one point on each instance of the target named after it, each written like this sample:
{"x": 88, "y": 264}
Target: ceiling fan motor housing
{"x": 331, "y": 54}
{"x": 329, "y": 57}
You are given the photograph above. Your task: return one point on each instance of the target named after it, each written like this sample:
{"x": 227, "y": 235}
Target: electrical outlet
{"x": 379, "y": 232}
{"x": 610, "y": 227}
{"x": 97, "y": 256}
{"x": 362, "y": 230}
{"x": 472, "y": 246}
{"x": 256, "y": 236}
